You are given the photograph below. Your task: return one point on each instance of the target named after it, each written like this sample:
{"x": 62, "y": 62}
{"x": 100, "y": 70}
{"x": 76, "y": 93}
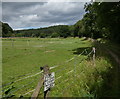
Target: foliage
{"x": 54, "y": 35}
{"x": 64, "y": 31}
{"x": 109, "y": 18}
{"x": 100, "y": 21}
{"x": 7, "y": 31}
{"x": 53, "y": 31}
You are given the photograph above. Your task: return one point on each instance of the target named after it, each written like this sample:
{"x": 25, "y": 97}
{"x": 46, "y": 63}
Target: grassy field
{"x": 22, "y": 58}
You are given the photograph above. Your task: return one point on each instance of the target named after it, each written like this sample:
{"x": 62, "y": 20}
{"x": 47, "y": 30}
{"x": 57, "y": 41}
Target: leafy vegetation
{"x": 7, "y": 31}
{"x": 100, "y": 21}
{"x": 53, "y": 31}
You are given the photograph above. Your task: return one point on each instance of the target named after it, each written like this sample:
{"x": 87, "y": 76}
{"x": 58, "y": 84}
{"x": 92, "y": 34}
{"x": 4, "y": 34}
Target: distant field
{"x": 22, "y": 58}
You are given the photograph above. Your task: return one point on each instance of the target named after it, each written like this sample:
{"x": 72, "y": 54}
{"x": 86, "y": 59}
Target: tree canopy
{"x": 102, "y": 19}
{"x": 7, "y": 31}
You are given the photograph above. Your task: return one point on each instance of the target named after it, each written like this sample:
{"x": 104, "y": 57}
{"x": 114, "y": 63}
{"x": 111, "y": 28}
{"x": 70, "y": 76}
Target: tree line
{"x": 53, "y": 31}
{"x": 101, "y": 20}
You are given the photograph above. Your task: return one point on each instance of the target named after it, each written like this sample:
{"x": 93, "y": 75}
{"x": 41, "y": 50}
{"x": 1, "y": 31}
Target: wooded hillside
{"x": 7, "y": 31}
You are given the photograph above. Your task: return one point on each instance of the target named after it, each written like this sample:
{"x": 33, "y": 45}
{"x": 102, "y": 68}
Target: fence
{"x": 46, "y": 70}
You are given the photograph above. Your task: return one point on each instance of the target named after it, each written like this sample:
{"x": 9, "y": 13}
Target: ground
{"x": 76, "y": 74}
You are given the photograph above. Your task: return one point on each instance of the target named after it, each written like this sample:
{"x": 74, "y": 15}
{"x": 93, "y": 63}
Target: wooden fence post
{"x": 40, "y": 83}
{"x": 94, "y": 50}
{"x": 12, "y": 43}
{"x": 37, "y": 89}
{"x": 75, "y": 63}
{"x": 46, "y": 71}
{"x": 28, "y": 42}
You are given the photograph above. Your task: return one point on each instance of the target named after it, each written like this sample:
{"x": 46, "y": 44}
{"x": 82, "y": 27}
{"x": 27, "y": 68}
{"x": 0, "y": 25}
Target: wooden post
{"x": 40, "y": 83}
{"x": 75, "y": 63}
{"x": 94, "y": 55}
{"x": 46, "y": 71}
{"x": 37, "y": 90}
{"x": 28, "y": 42}
{"x": 12, "y": 43}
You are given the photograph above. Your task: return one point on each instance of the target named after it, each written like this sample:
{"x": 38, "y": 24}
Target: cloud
{"x": 0, "y": 11}
{"x": 41, "y": 14}
{"x": 49, "y": 0}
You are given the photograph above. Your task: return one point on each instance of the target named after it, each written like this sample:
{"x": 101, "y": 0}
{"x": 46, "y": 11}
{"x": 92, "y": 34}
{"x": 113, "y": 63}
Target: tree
{"x": 109, "y": 19}
{"x": 102, "y": 19}
{"x": 54, "y": 35}
{"x": 64, "y": 31}
{"x": 7, "y": 31}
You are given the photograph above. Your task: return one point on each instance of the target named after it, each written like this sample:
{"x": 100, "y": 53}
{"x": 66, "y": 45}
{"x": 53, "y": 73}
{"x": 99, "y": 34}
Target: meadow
{"x": 76, "y": 75}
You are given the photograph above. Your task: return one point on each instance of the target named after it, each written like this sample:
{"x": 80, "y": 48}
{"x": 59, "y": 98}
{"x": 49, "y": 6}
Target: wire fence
{"x": 69, "y": 77}
{"x": 57, "y": 71}
{"x": 64, "y": 69}
{"x": 42, "y": 71}
{"x": 76, "y": 66}
{"x": 20, "y": 87}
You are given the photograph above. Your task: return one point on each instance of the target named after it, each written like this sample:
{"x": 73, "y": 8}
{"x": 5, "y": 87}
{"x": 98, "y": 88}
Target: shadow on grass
{"x": 78, "y": 51}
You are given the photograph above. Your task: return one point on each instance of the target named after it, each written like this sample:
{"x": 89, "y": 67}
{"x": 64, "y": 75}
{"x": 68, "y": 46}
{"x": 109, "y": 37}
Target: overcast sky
{"x": 22, "y": 15}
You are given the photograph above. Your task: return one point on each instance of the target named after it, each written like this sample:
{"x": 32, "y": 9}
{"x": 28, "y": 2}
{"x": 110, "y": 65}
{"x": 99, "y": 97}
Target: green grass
{"x": 21, "y": 58}
{"x": 24, "y": 56}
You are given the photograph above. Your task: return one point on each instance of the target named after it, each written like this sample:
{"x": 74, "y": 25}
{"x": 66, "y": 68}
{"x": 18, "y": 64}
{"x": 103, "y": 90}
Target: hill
{"x": 52, "y": 31}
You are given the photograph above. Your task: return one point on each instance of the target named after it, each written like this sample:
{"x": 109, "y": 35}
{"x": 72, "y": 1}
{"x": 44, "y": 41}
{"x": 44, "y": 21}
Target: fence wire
{"x": 63, "y": 68}
{"x": 42, "y": 71}
{"x": 12, "y": 92}
{"x": 72, "y": 69}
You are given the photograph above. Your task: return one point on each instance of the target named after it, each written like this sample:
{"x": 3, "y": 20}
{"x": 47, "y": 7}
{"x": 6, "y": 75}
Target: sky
{"x": 25, "y": 15}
